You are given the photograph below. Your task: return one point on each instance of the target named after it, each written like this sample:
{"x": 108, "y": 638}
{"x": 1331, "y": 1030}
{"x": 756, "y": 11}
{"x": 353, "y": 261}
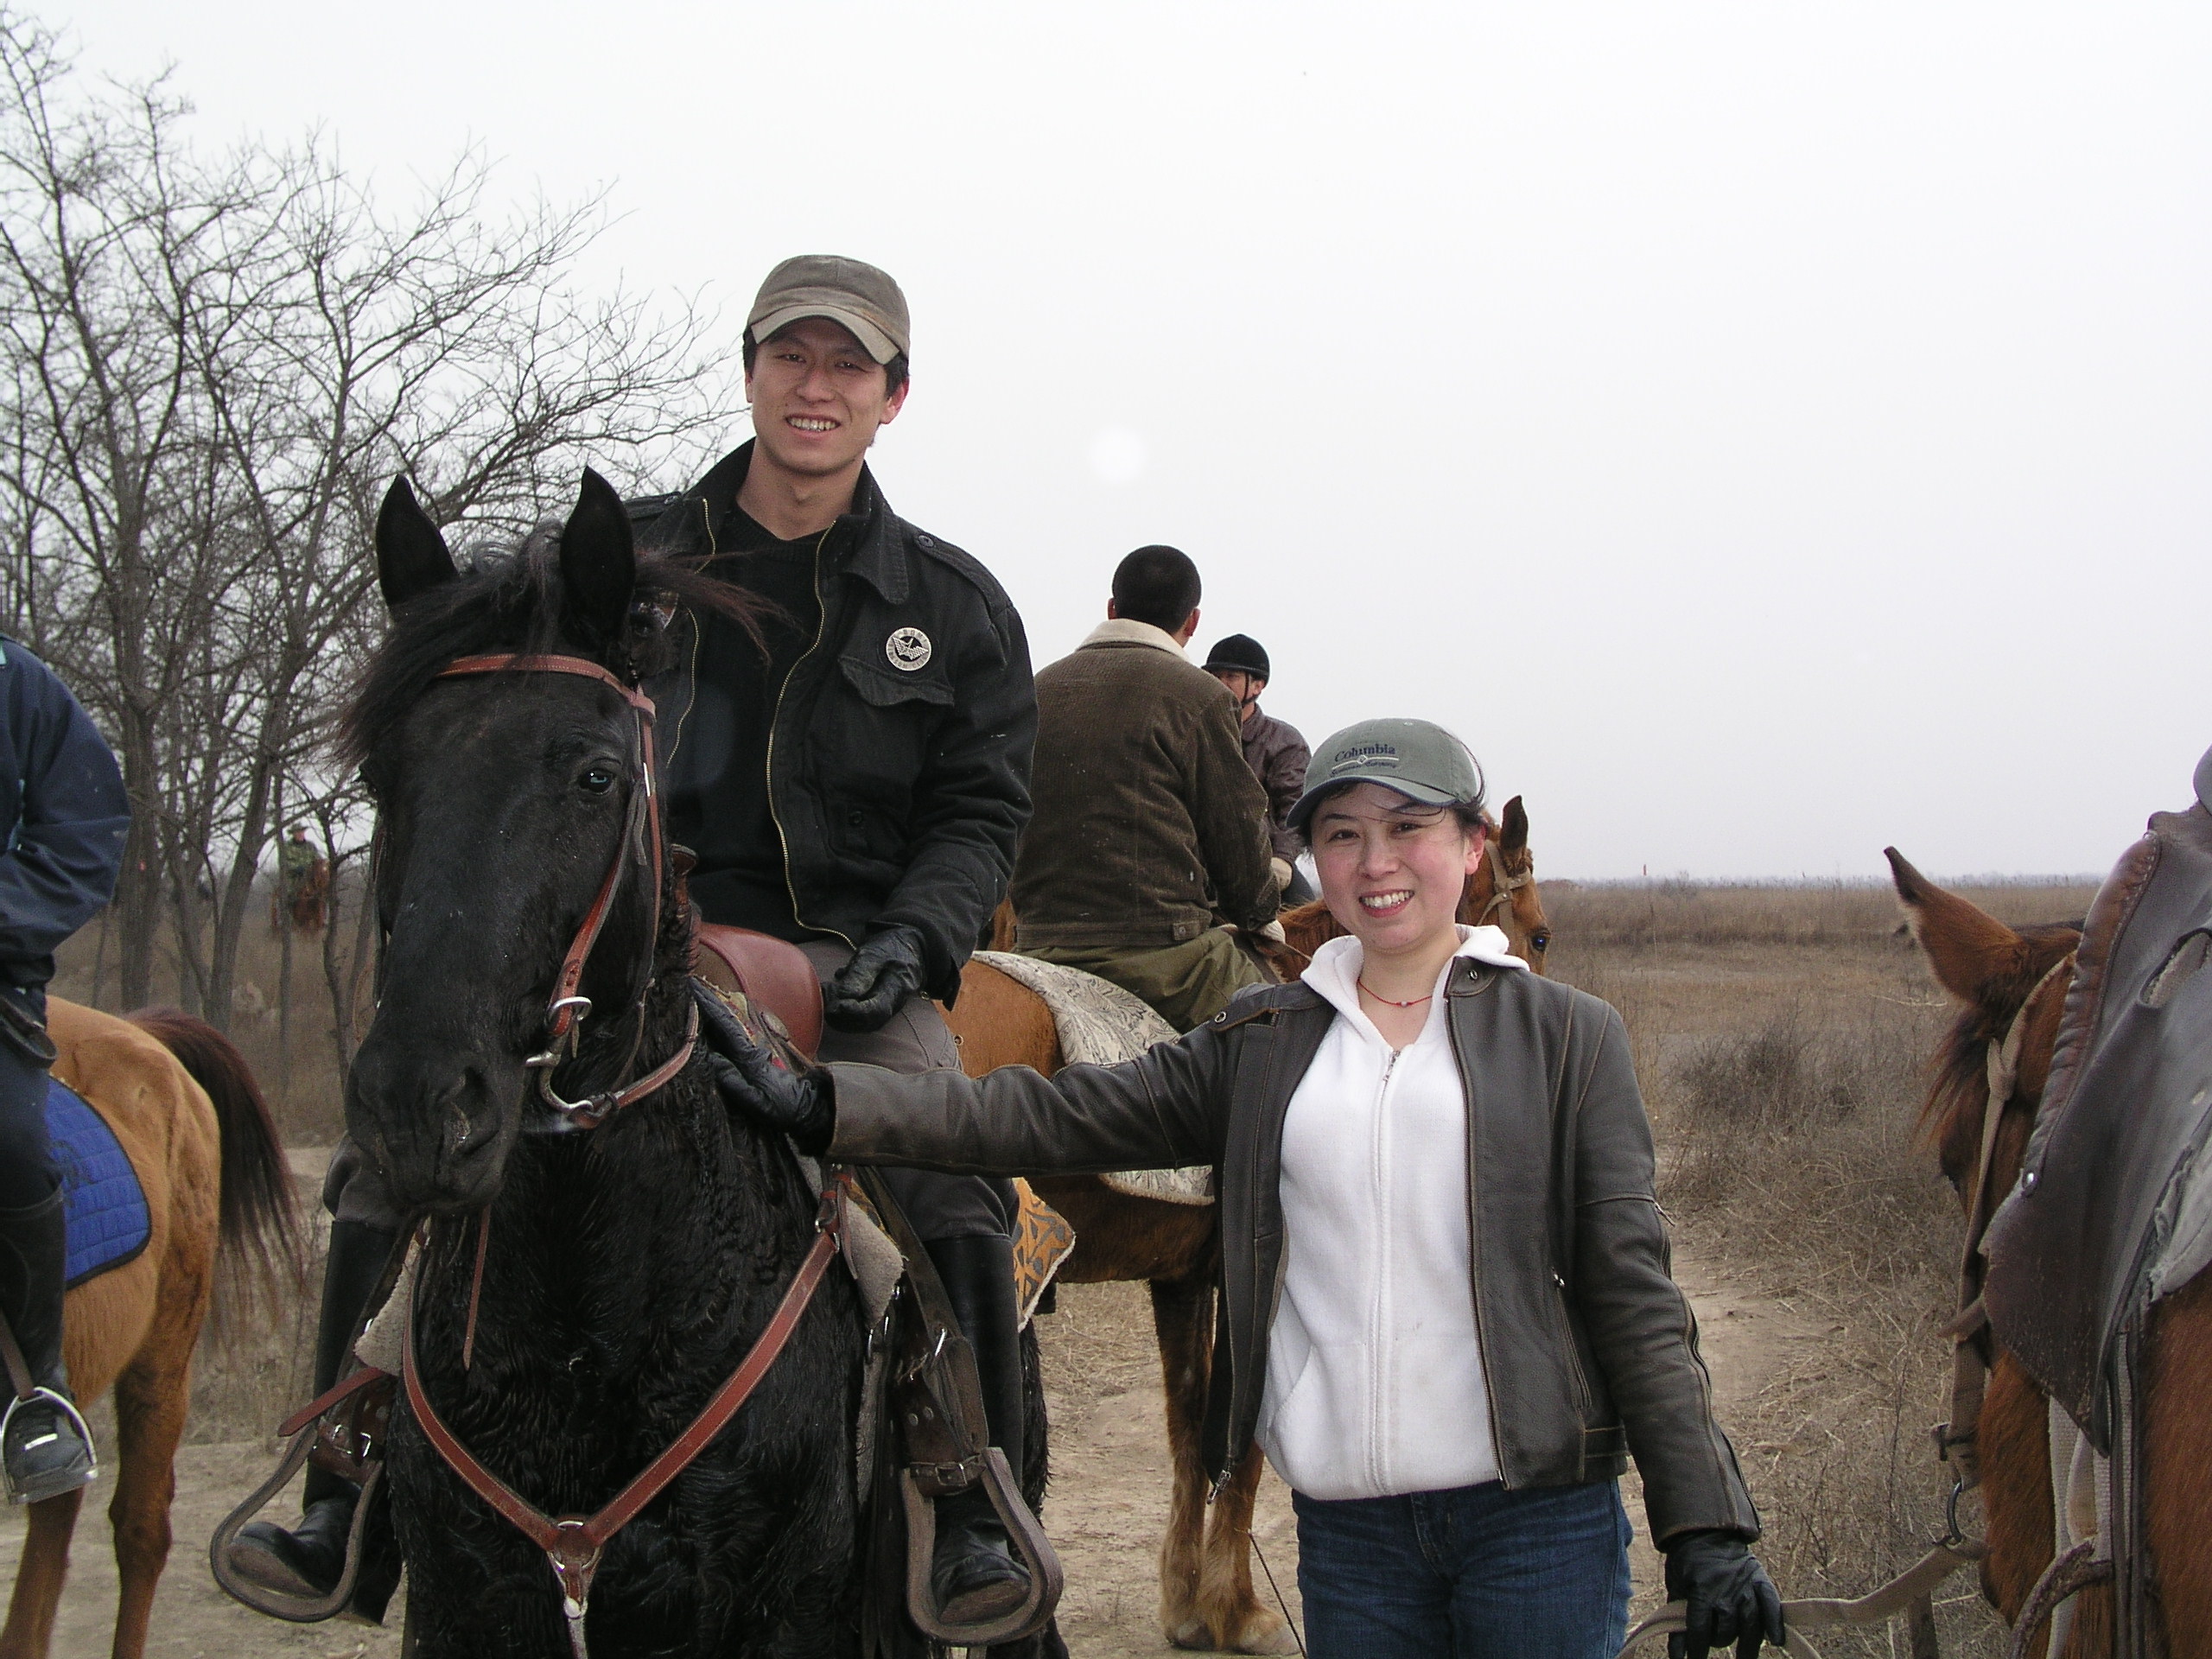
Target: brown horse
{"x": 219, "y": 1195}
{"x": 1205, "y": 1568}
{"x": 2012, "y": 984}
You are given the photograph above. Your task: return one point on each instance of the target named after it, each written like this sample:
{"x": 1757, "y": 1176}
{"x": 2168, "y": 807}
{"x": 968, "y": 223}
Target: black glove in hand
{"x": 1731, "y": 1597}
{"x": 799, "y": 1103}
{"x": 883, "y": 973}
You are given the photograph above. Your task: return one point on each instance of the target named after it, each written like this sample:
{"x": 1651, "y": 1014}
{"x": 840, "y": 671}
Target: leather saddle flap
{"x": 773, "y": 973}
{"x": 2126, "y": 1108}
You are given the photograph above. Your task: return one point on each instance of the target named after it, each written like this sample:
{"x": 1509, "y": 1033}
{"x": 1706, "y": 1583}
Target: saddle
{"x": 767, "y": 972}
{"x": 2086, "y": 1239}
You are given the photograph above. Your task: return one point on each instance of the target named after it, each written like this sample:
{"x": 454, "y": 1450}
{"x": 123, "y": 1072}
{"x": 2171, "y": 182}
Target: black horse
{"x": 629, "y": 1269}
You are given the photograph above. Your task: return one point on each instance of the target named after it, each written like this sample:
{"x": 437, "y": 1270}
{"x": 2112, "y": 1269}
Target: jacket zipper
{"x": 1375, "y": 1343}
{"x": 775, "y": 723}
{"x": 1475, "y": 1242}
{"x": 1573, "y": 1352}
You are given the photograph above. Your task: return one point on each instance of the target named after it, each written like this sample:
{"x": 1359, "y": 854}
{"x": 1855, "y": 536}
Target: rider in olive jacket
{"x": 899, "y": 757}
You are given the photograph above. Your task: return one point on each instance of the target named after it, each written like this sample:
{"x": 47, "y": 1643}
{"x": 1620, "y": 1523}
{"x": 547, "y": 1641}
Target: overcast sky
{"x": 1764, "y": 432}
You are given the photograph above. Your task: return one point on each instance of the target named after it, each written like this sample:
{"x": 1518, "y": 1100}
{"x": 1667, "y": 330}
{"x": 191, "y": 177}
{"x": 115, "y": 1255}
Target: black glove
{"x": 882, "y": 974}
{"x": 1731, "y": 1597}
{"x": 799, "y": 1103}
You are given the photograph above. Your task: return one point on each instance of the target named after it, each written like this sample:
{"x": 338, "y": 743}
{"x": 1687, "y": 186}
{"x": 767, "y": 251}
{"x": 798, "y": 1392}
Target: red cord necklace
{"x": 1391, "y": 1001}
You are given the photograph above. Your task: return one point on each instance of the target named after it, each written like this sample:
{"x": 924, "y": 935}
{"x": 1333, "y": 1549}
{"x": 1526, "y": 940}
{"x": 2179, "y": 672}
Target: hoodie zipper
{"x": 1377, "y": 1343}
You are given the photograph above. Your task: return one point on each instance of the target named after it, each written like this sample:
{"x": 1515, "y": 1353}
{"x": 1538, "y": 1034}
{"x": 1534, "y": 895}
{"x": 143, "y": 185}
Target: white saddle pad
{"x": 1098, "y": 1023}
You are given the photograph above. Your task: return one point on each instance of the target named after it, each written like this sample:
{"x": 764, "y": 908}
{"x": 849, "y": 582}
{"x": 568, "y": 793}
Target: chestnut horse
{"x": 1205, "y": 1569}
{"x": 218, "y": 1199}
{"x": 2011, "y": 985}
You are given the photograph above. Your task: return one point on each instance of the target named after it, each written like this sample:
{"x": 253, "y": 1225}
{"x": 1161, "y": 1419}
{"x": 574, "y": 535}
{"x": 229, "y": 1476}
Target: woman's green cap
{"x": 1420, "y": 760}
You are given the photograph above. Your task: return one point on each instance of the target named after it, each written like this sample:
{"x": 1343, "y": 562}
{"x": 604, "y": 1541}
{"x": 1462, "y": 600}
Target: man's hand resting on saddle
{"x": 796, "y": 1103}
{"x": 867, "y": 991}
{"x": 1730, "y": 1599}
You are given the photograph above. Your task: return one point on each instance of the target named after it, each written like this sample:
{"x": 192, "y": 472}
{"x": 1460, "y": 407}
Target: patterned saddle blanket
{"x": 106, "y": 1208}
{"x": 1098, "y": 1023}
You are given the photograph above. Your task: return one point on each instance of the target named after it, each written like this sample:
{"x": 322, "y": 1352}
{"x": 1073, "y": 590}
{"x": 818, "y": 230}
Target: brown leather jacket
{"x": 1278, "y": 757}
{"x": 1589, "y": 1350}
{"x": 1147, "y": 826}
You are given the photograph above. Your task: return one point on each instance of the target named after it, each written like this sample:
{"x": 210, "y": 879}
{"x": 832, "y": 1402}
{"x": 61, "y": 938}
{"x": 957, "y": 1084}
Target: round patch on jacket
{"x": 908, "y": 649}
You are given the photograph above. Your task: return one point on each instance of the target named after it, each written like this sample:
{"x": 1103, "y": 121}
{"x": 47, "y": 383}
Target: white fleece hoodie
{"x": 1375, "y": 1377}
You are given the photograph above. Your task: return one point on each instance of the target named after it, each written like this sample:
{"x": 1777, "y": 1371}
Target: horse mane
{"x": 513, "y": 600}
{"x": 1961, "y": 1068}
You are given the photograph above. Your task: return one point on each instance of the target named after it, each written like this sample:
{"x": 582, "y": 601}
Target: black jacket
{"x": 1588, "y": 1348}
{"x": 63, "y": 813}
{"x": 898, "y": 755}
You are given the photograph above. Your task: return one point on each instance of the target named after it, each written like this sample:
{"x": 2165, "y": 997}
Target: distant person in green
{"x": 1275, "y": 749}
{"x": 1149, "y": 829}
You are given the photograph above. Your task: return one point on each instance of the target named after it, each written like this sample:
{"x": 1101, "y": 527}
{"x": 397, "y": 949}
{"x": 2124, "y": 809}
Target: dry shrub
{"x": 1677, "y": 911}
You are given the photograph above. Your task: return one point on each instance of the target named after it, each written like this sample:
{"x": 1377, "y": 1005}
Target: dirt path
{"x": 1106, "y": 1515}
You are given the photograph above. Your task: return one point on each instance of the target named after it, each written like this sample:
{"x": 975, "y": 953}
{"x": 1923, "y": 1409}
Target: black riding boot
{"x": 307, "y": 1560}
{"x": 975, "y": 1574}
{"x": 46, "y": 1450}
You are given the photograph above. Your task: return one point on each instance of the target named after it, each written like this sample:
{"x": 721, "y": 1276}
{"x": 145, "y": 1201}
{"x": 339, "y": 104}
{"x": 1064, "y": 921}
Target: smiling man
{"x": 857, "y": 785}
{"x": 854, "y": 784}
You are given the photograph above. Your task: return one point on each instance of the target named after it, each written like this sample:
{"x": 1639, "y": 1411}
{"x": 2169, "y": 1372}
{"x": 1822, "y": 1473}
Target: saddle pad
{"x": 1098, "y": 1023}
{"x": 106, "y": 1211}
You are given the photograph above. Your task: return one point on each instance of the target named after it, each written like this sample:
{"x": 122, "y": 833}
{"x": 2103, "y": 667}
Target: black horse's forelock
{"x": 513, "y": 600}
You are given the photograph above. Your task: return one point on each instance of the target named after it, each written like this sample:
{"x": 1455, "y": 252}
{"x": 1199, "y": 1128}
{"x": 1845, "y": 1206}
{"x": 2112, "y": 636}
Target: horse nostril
{"x": 462, "y": 1128}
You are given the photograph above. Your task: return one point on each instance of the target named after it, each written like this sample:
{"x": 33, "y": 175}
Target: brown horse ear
{"x": 1970, "y": 951}
{"x": 412, "y": 555}
{"x": 1513, "y": 834}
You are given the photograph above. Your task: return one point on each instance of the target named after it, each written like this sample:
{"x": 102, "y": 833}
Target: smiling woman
{"x": 1442, "y": 1161}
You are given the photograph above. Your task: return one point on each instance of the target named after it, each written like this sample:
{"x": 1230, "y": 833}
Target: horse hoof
{"x": 1268, "y": 1635}
{"x": 1192, "y": 1634}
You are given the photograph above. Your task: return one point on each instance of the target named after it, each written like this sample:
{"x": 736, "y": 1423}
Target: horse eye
{"x": 598, "y": 780}
{"x": 1539, "y": 941}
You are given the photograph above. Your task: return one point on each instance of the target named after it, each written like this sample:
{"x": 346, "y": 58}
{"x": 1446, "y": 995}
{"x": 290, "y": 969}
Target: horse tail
{"x": 258, "y": 1222}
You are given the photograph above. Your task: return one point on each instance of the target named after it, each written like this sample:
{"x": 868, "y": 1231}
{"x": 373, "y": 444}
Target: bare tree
{"x": 208, "y": 372}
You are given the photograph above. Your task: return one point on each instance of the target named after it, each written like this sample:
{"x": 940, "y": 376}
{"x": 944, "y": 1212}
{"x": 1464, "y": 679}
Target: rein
{"x": 567, "y": 1009}
{"x": 1954, "y": 1440}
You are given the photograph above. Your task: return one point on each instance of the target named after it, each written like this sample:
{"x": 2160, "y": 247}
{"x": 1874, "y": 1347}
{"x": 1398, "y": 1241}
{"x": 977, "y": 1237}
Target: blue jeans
{"x": 1475, "y": 1573}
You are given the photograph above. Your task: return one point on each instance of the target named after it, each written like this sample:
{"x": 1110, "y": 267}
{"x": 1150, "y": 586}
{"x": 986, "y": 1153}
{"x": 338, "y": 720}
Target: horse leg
{"x": 1205, "y": 1570}
{"x": 1180, "y": 1311}
{"x": 150, "y": 1398}
{"x": 38, "y": 1580}
{"x": 1225, "y": 1582}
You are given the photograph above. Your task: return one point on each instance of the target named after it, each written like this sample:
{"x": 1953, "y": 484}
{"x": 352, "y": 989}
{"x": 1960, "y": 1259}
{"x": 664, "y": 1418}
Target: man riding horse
{"x": 1149, "y": 824}
{"x": 65, "y": 817}
{"x": 853, "y": 781}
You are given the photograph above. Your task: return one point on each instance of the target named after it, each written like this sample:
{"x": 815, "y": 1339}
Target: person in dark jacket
{"x": 1149, "y": 826}
{"x": 1446, "y": 1315}
{"x": 1275, "y": 749}
{"x": 854, "y": 784}
{"x": 61, "y": 798}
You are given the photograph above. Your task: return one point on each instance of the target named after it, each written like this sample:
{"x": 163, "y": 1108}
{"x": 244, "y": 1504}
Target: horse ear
{"x": 412, "y": 555}
{"x": 599, "y": 560}
{"x": 1970, "y": 951}
{"x": 1513, "y": 834}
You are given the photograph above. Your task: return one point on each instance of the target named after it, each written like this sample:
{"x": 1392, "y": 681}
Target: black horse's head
{"x": 504, "y": 800}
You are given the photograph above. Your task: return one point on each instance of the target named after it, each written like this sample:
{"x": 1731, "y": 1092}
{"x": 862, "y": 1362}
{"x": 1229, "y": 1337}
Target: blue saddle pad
{"x": 100, "y": 1195}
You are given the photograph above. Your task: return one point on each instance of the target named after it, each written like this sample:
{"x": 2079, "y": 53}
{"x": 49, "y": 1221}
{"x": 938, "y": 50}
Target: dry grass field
{"x": 1781, "y": 1033}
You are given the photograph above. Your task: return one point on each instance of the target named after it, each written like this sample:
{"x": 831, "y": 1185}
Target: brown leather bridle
{"x": 568, "y": 1009}
{"x": 574, "y": 1543}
